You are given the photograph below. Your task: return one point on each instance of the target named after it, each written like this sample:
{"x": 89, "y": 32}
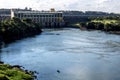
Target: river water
{"x": 68, "y": 54}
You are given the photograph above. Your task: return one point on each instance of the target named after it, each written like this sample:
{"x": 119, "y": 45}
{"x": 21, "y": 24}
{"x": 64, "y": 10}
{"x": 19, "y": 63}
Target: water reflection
{"x": 78, "y": 55}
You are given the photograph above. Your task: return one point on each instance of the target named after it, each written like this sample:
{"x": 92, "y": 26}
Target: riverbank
{"x": 8, "y": 72}
{"x": 107, "y": 24}
{"x": 15, "y": 29}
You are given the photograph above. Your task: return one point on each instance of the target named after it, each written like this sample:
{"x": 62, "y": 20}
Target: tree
{"x": 91, "y": 25}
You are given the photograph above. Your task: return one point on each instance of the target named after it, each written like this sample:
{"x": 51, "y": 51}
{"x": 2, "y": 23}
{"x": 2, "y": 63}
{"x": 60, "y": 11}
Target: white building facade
{"x": 45, "y": 18}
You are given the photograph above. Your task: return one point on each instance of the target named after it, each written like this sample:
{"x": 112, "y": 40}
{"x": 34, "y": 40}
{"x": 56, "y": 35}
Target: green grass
{"x": 8, "y": 73}
{"x": 106, "y": 21}
{"x": 75, "y": 24}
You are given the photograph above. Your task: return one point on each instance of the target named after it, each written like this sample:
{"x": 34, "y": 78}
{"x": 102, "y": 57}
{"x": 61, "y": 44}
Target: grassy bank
{"x": 106, "y": 21}
{"x": 8, "y": 72}
{"x": 15, "y": 29}
{"x": 104, "y": 24}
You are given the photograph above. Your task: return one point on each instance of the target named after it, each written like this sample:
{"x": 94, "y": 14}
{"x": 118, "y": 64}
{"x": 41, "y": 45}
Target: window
{"x": 43, "y": 15}
{"x": 52, "y": 15}
{"x": 46, "y": 15}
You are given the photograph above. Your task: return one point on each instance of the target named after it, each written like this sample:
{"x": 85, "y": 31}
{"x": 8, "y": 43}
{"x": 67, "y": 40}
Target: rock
{"x": 17, "y": 66}
{"x": 57, "y": 34}
{"x": 58, "y": 71}
{"x": 3, "y": 77}
{"x": 1, "y": 62}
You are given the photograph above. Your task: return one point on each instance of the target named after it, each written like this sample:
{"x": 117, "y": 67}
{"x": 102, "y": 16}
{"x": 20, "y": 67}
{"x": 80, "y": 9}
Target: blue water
{"x": 78, "y": 55}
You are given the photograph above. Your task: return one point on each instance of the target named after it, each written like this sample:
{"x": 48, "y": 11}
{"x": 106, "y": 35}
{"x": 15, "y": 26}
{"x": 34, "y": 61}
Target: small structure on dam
{"x": 48, "y": 19}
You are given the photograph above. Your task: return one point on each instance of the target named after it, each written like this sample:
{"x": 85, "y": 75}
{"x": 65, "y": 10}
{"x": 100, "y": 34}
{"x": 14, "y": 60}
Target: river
{"x": 68, "y": 54}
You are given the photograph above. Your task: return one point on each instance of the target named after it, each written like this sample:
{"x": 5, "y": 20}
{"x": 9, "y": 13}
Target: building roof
{"x": 45, "y": 12}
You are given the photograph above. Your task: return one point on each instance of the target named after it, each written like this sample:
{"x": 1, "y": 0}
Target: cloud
{"x": 14, "y": 3}
{"x": 109, "y": 5}
{"x": 84, "y": 5}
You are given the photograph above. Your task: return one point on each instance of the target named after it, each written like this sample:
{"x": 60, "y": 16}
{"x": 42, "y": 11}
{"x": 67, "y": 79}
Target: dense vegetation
{"x": 15, "y": 29}
{"x": 8, "y": 72}
{"x": 103, "y": 23}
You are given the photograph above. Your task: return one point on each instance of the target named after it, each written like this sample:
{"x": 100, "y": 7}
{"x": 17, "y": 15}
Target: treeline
{"x": 105, "y": 18}
{"x": 103, "y": 23}
{"x": 101, "y": 26}
{"x": 94, "y": 13}
{"x": 15, "y": 29}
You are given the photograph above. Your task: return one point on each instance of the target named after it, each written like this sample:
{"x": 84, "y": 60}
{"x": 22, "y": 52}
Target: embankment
{"x": 8, "y": 72}
{"x": 15, "y": 29}
{"x": 107, "y": 24}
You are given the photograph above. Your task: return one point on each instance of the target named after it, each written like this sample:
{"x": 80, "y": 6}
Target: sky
{"x": 81, "y": 5}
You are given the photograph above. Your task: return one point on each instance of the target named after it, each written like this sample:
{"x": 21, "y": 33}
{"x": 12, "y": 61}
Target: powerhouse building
{"x": 45, "y": 18}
